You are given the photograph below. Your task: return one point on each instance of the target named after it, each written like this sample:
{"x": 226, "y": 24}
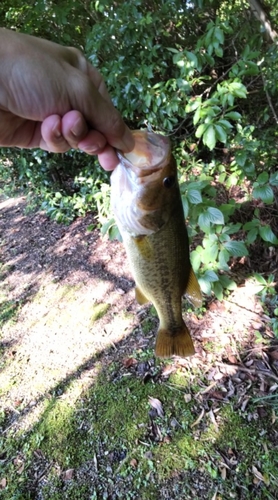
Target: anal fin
{"x": 140, "y": 297}
{"x": 193, "y": 291}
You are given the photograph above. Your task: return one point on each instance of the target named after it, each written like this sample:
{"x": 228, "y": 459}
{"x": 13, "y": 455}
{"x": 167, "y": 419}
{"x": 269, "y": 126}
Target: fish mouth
{"x": 150, "y": 153}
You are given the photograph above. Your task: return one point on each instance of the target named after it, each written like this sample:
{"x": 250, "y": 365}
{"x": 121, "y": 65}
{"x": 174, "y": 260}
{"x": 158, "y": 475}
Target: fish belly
{"x": 160, "y": 265}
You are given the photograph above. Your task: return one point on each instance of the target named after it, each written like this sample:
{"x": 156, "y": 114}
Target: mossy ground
{"x": 108, "y": 441}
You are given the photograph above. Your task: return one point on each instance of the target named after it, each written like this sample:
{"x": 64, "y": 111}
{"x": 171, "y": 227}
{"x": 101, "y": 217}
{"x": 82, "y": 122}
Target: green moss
{"x": 98, "y": 311}
{"x": 8, "y": 311}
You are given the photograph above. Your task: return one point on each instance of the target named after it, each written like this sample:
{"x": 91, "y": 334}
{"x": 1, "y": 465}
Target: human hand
{"x": 52, "y": 98}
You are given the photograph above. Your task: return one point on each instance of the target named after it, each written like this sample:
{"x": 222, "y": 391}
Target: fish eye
{"x": 169, "y": 182}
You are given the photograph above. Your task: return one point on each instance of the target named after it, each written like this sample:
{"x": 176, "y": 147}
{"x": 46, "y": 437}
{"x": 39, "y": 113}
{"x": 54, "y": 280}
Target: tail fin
{"x": 177, "y": 344}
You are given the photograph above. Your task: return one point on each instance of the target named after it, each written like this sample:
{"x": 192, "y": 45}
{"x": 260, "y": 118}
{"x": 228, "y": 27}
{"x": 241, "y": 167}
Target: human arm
{"x": 52, "y": 98}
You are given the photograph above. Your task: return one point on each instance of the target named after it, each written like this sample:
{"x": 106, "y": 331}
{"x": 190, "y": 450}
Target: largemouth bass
{"x": 146, "y": 201}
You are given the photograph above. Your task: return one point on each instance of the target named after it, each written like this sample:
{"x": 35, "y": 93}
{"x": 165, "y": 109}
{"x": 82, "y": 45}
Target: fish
{"x": 147, "y": 205}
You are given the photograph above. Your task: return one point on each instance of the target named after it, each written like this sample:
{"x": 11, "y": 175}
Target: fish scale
{"x": 159, "y": 259}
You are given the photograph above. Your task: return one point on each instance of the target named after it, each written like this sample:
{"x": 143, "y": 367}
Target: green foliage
{"x": 202, "y": 72}
{"x": 269, "y": 297}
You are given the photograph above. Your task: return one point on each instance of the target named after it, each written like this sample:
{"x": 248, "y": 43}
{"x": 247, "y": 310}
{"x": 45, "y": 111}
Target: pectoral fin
{"x": 193, "y": 291}
{"x": 140, "y": 297}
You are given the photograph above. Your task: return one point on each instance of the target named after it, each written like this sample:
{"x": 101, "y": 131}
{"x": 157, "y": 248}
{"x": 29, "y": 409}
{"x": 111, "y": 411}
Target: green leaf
{"x": 226, "y": 282}
{"x": 221, "y": 134}
{"x": 260, "y": 279}
{"x": 251, "y": 224}
{"x": 205, "y": 286}
{"x": 238, "y": 89}
{"x": 204, "y": 222}
{"x": 223, "y": 259}
{"x": 236, "y": 248}
{"x": 200, "y": 130}
{"x": 218, "y": 51}
{"x": 197, "y": 115}
{"x": 196, "y": 259}
{"x": 210, "y": 253}
{"x": 194, "y": 196}
{"x": 171, "y": 49}
{"x": 218, "y": 291}
{"x": 233, "y": 228}
{"x": 265, "y": 193}
{"x": 262, "y": 178}
{"x": 267, "y": 234}
{"x": 192, "y": 58}
{"x": 218, "y": 33}
{"x": 273, "y": 179}
{"x": 185, "y": 206}
{"x": 233, "y": 115}
{"x": 232, "y": 180}
{"x": 210, "y": 276}
{"x": 209, "y": 137}
{"x": 241, "y": 157}
{"x": 252, "y": 235}
{"x": 225, "y": 124}
{"x": 215, "y": 215}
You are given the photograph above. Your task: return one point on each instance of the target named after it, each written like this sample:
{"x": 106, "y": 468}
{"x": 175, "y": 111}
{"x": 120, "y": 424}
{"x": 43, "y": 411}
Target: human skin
{"x": 52, "y": 98}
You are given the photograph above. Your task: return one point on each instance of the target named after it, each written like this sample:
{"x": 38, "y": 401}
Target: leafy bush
{"x": 202, "y": 72}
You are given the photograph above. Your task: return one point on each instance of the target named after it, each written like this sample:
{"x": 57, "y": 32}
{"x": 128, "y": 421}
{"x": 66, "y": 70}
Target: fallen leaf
{"x": 20, "y": 469}
{"x": 157, "y": 405}
{"x": 223, "y": 471}
{"x": 3, "y": 483}
{"x": 199, "y": 418}
{"x": 273, "y": 354}
{"x": 212, "y": 417}
{"x": 259, "y": 475}
{"x": 68, "y": 474}
{"x": 128, "y": 362}
{"x": 217, "y": 395}
{"x": 167, "y": 439}
{"x": 133, "y": 462}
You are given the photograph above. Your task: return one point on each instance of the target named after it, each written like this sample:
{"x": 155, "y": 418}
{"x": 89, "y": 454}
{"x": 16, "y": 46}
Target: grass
{"x": 111, "y": 435}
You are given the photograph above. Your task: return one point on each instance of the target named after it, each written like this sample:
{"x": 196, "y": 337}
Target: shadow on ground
{"x": 88, "y": 413}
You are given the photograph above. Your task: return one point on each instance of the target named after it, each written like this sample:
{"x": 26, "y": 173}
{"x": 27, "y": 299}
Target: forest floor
{"x": 87, "y": 412}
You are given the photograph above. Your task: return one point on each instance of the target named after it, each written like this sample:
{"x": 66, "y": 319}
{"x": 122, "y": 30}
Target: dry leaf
{"x": 199, "y": 418}
{"x": 215, "y": 495}
{"x": 207, "y": 389}
{"x": 259, "y": 476}
{"x": 20, "y": 469}
{"x": 217, "y": 395}
{"x": 212, "y": 417}
{"x": 223, "y": 473}
{"x": 3, "y": 483}
{"x": 273, "y": 354}
{"x": 167, "y": 439}
{"x": 187, "y": 397}
{"x": 157, "y": 405}
{"x": 128, "y": 362}
{"x": 133, "y": 462}
{"x": 68, "y": 474}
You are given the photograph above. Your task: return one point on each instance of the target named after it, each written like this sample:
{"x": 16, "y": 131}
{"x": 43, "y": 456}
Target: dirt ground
{"x": 75, "y": 297}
